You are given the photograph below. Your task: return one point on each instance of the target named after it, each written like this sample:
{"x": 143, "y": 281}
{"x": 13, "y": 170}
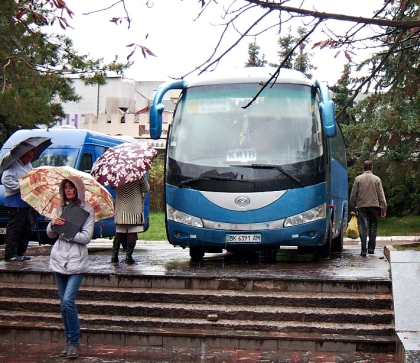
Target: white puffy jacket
{"x": 71, "y": 257}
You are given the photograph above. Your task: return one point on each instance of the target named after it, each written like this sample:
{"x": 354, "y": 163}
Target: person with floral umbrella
{"x": 123, "y": 167}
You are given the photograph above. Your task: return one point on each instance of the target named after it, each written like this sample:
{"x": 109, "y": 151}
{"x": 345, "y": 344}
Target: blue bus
{"x": 257, "y": 177}
{"x": 77, "y": 148}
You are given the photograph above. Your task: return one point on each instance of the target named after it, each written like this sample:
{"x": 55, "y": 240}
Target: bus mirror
{"x": 327, "y": 111}
{"x": 326, "y": 107}
{"x": 156, "y": 120}
{"x": 157, "y": 107}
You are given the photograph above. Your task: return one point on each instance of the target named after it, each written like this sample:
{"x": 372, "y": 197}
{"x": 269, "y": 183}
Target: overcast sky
{"x": 179, "y": 42}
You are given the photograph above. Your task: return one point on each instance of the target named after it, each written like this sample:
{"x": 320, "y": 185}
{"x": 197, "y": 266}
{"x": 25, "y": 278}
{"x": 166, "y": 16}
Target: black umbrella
{"x": 36, "y": 143}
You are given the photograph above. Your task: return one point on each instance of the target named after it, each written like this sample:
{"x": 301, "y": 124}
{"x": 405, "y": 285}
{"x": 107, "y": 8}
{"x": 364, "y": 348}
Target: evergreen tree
{"x": 387, "y": 122}
{"x": 286, "y": 45}
{"x": 297, "y": 60}
{"x": 253, "y": 56}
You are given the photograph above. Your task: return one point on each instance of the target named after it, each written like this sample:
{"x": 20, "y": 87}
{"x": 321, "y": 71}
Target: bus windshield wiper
{"x": 271, "y": 166}
{"x": 205, "y": 177}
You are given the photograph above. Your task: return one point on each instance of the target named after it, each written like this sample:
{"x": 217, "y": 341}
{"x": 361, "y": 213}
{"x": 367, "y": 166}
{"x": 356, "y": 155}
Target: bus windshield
{"x": 211, "y": 127}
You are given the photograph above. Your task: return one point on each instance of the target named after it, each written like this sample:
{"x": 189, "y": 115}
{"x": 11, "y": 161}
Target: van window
{"x": 86, "y": 162}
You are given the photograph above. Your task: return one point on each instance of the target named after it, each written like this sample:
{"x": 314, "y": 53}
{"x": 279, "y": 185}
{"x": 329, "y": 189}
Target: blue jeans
{"x": 68, "y": 286}
{"x": 367, "y": 219}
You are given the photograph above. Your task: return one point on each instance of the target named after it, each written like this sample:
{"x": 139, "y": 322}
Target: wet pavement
{"x": 162, "y": 259}
{"x": 47, "y": 353}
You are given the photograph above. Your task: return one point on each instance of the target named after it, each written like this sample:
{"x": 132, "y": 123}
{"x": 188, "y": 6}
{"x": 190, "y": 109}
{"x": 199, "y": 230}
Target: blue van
{"x": 77, "y": 148}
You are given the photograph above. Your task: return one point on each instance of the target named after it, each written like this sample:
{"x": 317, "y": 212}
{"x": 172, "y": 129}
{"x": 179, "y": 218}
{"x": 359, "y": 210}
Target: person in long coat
{"x": 69, "y": 260}
{"x": 129, "y": 216}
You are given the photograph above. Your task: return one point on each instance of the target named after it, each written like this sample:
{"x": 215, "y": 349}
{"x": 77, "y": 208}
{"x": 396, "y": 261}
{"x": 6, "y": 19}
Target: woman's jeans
{"x": 68, "y": 286}
{"x": 367, "y": 218}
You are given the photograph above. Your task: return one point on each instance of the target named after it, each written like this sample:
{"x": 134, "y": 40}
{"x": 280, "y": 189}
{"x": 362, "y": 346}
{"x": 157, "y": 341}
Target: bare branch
{"x": 372, "y": 75}
{"x": 277, "y": 72}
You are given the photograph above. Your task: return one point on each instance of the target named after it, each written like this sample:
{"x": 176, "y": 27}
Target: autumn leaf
{"x": 347, "y": 55}
{"x": 129, "y": 56}
{"x": 148, "y": 51}
{"x": 20, "y": 14}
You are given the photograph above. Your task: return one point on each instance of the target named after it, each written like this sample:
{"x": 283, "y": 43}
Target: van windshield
{"x": 57, "y": 157}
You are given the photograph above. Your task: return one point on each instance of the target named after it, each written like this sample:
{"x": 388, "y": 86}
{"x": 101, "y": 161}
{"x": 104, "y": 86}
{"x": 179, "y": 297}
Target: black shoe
{"x": 15, "y": 259}
{"x": 371, "y": 252}
{"x": 25, "y": 258}
{"x": 363, "y": 254}
{"x": 73, "y": 351}
{"x": 64, "y": 352}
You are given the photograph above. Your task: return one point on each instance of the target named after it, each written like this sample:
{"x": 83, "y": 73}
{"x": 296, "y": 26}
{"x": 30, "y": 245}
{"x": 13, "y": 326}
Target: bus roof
{"x": 249, "y": 75}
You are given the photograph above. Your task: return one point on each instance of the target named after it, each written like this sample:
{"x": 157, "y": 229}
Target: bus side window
{"x": 86, "y": 163}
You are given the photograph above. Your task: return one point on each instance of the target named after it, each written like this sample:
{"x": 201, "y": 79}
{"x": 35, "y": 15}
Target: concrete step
{"x": 216, "y": 297}
{"x": 202, "y": 311}
{"x": 212, "y": 310}
{"x": 130, "y": 322}
{"x": 259, "y": 284}
{"x": 152, "y": 332}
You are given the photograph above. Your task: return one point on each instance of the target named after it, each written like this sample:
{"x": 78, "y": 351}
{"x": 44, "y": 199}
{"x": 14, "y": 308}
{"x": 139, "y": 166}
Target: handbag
{"x": 352, "y": 230}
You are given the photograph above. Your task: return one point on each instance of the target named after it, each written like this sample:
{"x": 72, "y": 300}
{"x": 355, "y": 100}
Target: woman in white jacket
{"x": 69, "y": 260}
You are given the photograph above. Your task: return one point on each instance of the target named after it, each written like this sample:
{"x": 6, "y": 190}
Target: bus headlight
{"x": 184, "y": 218}
{"x": 319, "y": 212}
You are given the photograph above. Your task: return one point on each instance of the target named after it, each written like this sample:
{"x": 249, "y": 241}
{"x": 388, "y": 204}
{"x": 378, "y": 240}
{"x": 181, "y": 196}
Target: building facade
{"x": 120, "y": 107}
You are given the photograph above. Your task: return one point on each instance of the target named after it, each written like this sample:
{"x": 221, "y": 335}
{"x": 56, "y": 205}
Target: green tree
{"x": 254, "y": 59}
{"x": 285, "y": 54}
{"x": 386, "y": 128}
{"x": 35, "y": 67}
{"x": 342, "y": 93}
{"x": 300, "y": 59}
{"x": 302, "y": 62}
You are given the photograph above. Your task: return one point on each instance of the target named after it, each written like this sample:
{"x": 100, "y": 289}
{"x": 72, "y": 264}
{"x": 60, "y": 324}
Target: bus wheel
{"x": 325, "y": 250}
{"x": 196, "y": 253}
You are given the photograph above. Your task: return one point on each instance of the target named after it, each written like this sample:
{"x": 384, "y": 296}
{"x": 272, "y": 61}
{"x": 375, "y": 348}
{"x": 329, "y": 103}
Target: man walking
{"x": 368, "y": 198}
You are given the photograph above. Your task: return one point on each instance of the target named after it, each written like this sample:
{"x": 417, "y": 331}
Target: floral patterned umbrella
{"x": 40, "y": 189}
{"x": 123, "y": 164}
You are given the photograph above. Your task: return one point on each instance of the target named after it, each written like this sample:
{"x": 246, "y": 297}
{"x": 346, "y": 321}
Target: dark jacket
{"x": 367, "y": 191}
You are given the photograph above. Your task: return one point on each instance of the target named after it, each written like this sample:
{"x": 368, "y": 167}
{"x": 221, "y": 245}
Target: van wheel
{"x": 196, "y": 254}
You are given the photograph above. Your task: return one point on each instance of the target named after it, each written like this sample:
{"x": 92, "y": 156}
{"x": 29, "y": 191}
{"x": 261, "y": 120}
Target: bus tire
{"x": 338, "y": 242}
{"x": 196, "y": 254}
{"x": 325, "y": 250}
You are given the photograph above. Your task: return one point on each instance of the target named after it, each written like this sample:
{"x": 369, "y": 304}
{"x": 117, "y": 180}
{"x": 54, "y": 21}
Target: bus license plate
{"x": 249, "y": 237}
{"x": 2, "y": 230}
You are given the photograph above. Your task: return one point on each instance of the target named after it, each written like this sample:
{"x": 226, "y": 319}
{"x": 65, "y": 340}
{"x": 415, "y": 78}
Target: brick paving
{"x": 12, "y": 352}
